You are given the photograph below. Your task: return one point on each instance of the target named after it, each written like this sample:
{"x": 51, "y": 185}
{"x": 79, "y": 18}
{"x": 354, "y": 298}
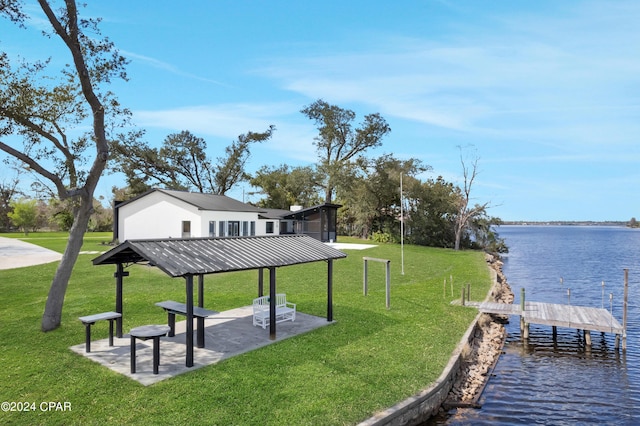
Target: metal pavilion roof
{"x": 195, "y": 256}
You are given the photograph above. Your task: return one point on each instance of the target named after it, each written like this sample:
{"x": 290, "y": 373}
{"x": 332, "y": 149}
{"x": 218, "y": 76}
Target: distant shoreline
{"x": 567, "y": 223}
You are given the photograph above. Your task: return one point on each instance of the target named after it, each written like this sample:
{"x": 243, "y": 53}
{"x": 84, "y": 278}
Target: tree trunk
{"x": 328, "y": 192}
{"x": 52, "y": 316}
{"x": 458, "y": 238}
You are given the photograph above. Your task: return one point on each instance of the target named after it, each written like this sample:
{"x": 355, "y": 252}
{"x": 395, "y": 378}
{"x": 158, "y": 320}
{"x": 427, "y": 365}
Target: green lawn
{"x": 370, "y": 359}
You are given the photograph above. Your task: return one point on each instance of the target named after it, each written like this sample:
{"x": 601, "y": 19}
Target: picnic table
{"x": 172, "y": 308}
{"x": 146, "y": 332}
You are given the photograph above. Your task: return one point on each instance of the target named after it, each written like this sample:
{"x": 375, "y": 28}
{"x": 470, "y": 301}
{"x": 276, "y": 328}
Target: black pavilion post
{"x": 119, "y": 275}
{"x": 189, "y": 290}
{"x": 330, "y": 290}
{"x": 260, "y": 282}
{"x": 272, "y": 303}
{"x": 201, "y": 290}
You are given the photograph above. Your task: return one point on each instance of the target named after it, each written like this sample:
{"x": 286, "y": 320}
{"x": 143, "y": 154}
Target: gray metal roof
{"x": 273, "y": 213}
{"x": 203, "y": 201}
{"x": 194, "y": 256}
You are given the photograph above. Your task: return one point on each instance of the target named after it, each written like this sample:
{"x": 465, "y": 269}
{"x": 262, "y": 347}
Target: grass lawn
{"x": 368, "y": 360}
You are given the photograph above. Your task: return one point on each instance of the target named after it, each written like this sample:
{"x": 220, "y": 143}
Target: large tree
{"x": 466, "y": 213}
{"x": 182, "y": 163}
{"x": 431, "y": 211}
{"x": 338, "y": 143}
{"x": 285, "y": 186}
{"x": 24, "y": 214}
{"x": 8, "y": 190}
{"x": 371, "y": 197}
{"x": 43, "y": 112}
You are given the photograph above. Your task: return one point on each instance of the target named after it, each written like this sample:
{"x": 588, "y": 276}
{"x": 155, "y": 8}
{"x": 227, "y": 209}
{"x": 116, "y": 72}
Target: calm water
{"x": 563, "y": 382}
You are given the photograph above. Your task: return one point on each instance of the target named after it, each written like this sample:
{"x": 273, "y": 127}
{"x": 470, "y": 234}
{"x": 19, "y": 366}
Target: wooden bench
{"x": 172, "y": 308}
{"x": 89, "y": 320}
{"x": 285, "y": 311}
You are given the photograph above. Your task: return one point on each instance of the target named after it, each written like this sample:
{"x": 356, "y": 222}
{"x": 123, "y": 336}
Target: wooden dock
{"x": 557, "y": 315}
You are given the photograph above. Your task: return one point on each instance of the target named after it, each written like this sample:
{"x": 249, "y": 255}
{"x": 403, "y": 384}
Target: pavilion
{"x": 196, "y": 257}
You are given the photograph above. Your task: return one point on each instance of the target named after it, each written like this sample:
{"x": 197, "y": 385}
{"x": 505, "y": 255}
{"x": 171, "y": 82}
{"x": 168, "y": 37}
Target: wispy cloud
{"x": 532, "y": 76}
{"x": 225, "y": 122}
{"x": 156, "y": 63}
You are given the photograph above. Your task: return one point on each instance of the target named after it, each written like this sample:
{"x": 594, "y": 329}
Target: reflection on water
{"x": 562, "y": 381}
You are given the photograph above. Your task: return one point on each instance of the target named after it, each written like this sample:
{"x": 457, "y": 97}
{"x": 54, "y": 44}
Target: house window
{"x": 245, "y": 228}
{"x": 186, "y": 229}
{"x": 233, "y": 228}
{"x": 221, "y": 228}
{"x": 269, "y": 227}
{"x": 253, "y": 228}
{"x": 212, "y": 228}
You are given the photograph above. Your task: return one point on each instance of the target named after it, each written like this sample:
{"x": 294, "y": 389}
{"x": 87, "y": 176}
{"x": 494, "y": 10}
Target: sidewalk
{"x": 15, "y": 253}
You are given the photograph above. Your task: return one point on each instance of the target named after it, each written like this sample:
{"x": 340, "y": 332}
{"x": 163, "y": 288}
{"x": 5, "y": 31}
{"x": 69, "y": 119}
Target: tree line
{"x": 435, "y": 212}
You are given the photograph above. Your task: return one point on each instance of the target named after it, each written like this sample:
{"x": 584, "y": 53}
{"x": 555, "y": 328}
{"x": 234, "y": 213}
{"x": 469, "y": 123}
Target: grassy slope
{"x": 368, "y": 360}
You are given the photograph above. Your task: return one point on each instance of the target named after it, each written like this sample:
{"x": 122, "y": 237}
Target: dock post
{"x": 524, "y": 329}
{"x": 624, "y": 309}
{"x": 587, "y": 337}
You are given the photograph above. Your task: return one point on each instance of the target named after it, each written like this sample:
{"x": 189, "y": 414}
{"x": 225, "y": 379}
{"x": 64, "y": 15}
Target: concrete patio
{"x": 227, "y": 334}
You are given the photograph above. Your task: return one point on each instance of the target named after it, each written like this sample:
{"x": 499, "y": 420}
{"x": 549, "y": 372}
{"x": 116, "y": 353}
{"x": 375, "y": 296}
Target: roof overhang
{"x": 298, "y": 214}
{"x": 197, "y": 256}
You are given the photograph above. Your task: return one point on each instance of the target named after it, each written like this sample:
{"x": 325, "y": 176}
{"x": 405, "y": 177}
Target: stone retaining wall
{"x": 456, "y": 375}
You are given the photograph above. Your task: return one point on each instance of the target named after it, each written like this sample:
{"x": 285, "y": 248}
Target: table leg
{"x": 200, "y": 332}
{"x": 87, "y": 339}
{"x": 111, "y": 332}
{"x": 133, "y": 355}
{"x": 156, "y": 354}
{"x": 172, "y": 324}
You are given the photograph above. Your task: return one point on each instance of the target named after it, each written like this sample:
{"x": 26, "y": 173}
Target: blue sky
{"x": 547, "y": 92}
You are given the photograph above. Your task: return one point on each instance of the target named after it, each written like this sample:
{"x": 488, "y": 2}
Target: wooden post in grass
{"x": 451, "y": 282}
{"x": 364, "y": 278}
{"x": 388, "y": 277}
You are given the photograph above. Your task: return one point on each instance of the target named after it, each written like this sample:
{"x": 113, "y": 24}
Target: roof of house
{"x": 195, "y": 256}
{"x": 273, "y": 213}
{"x": 203, "y": 201}
{"x": 297, "y": 214}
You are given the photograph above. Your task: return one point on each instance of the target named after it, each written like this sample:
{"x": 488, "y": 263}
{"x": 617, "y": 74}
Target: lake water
{"x": 563, "y": 382}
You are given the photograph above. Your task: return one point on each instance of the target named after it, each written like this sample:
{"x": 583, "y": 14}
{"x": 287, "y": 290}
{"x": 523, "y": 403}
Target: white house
{"x": 163, "y": 213}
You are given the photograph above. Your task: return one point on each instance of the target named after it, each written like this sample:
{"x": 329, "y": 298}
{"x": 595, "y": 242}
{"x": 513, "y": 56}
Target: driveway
{"x": 15, "y": 253}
